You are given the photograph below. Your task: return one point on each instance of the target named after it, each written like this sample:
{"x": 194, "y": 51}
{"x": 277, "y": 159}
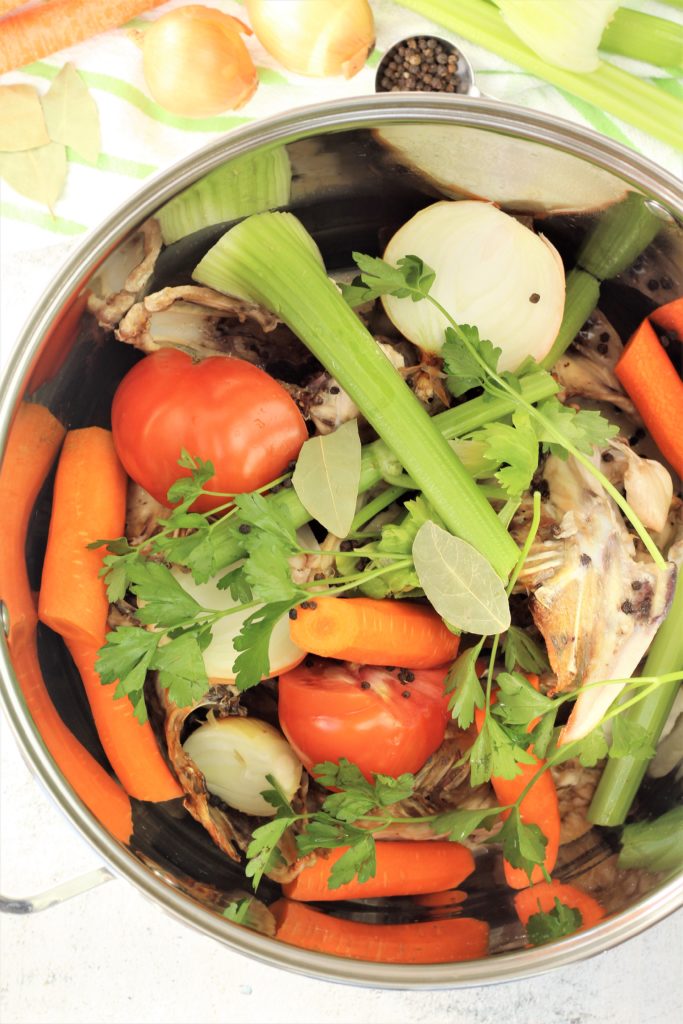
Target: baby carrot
{"x": 539, "y": 807}
{"x": 424, "y": 942}
{"x": 33, "y": 442}
{"x": 360, "y": 629}
{"x": 89, "y": 503}
{"x": 650, "y": 379}
{"x": 41, "y": 29}
{"x": 541, "y": 899}
{"x": 403, "y": 869}
{"x": 670, "y": 318}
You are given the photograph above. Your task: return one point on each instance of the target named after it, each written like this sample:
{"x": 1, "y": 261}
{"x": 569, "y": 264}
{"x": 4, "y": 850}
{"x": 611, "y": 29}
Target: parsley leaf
{"x": 523, "y": 845}
{"x": 630, "y": 739}
{"x": 162, "y": 600}
{"x": 262, "y": 852}
{"x": 357, "y": 796}
{"x": 518, "y": 702}
{"x": 496, "y": 752}
{"x": 410, "y": 278}
{"x": 181, "y": 669}
{"x": 267, "y": 572}
{"x": 126, "y": 657}
{"x": 462, "y": 369}
{"x": 515, "y": 447}
{"x": 237, "y": 911}
{"x": 235, "y": 582}
{"x": 521, "y": 651}
{"x": 463, "y": 683}
{"x": 582, "y": 428}
{"x": 593, "y": 748}
{"x": 547, "y": 926}
{"x": 187, "y": 489}
{"x": 255, "y": 510}
{"x": 543, "y": 733}
{"x": 358, "y": 861}
{"x": 460, "y": 824}
{"x": 253, "y": 663}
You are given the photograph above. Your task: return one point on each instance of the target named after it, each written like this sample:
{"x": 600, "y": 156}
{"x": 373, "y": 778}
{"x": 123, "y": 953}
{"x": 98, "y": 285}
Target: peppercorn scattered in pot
{"x": 421, "y": 64}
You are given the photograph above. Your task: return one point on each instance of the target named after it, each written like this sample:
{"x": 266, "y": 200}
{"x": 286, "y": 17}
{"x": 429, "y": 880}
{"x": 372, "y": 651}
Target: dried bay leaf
{"x": 38, "y": 173}
{"x": 459, "y": 583}
{"x": 22, "y": 123}
{"x": 71, "y": 114}
{"x": 327, "y": 476}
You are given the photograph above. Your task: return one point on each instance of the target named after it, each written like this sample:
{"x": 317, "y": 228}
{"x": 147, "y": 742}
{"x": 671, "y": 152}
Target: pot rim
{"x": 359, "y": 112}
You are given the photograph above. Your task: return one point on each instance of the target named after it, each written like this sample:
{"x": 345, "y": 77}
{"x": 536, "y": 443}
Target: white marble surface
{"x": 112, "y": 956}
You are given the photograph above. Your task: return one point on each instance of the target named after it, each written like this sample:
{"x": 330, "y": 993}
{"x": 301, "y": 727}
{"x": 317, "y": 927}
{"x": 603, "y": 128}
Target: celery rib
{"x": 619, "y": 93}
{"x": 644, "y": 37}
{"x": 269, "y": 259}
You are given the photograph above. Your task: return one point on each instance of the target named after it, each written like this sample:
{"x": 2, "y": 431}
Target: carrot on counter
{"x": 371, "y": 632}
{"x": 651, "y": 381}
{"x": 539, "y": 807}
{"x": 89, "y": 503}
{"x": 33, "y": 442}
{"x": 403, "y": 869}
{"x": 41, "y": 29}
{"x": 541, "y": 899}
{"x": 424, "y": 942}
{"x": 670, "y": 318}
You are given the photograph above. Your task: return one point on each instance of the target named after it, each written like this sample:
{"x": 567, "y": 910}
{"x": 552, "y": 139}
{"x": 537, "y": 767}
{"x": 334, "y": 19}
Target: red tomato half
{"x": 220, "y": 409}
{"x": 330, "y": 710}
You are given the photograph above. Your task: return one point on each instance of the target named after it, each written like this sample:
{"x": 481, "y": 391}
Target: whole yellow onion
{"x": 325, "y": 37}
{"x": 195, "y": 63}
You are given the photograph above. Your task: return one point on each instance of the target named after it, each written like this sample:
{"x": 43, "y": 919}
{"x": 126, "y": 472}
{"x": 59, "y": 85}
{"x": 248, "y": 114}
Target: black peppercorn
{"x": 245, "y": 528}
{"x": 293, "y": 613}
{"x": 422, "y": 64}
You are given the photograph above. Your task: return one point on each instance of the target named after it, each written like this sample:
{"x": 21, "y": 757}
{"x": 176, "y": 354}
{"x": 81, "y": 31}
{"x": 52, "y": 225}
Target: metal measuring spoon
{"x": 389, "y": 78}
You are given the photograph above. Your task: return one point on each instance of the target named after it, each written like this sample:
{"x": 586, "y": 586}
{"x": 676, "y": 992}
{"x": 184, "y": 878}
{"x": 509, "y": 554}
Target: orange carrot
{"x": 650, "y": 379}
{"x": 403, "y": 869}
{"x": 670, "y": 318}
{"x": 89, "y": 503}
{"x": 372, "y": 632}
{"x": 541, "y": 899}
{"x": 9, "y": 5}
{"x": 425, "y": 942}
{"x": 539, "y": 807}
{"x": 33, "y": 442}
{"x": 42, "y": 29}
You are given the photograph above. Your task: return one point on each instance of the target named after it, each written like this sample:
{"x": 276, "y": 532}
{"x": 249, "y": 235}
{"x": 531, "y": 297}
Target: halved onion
{"x": 235, "y": 754}
{"x": 491, "y": 272}
{"x": 220, "y": 655}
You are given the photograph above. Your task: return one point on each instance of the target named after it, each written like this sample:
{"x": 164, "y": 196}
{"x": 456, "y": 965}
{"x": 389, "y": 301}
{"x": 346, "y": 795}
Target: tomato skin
{"x": 326, "y": 714}
{"x": 220, "y": 409}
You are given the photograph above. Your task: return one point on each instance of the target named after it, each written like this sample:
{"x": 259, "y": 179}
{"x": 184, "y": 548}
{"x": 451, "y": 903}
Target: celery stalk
{"x": 621, "y": 234}
{"x": 654, "y": 845}
{"x": 644, "y": 37}
{"x": 615, "y": 91}
{"x": 270, "y": 259}
{"x": 622, "y": 777}
{"x": 581, "y": 297}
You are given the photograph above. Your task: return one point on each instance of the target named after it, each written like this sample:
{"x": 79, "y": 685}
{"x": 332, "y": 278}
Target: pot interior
{"x": 352, "y": 188}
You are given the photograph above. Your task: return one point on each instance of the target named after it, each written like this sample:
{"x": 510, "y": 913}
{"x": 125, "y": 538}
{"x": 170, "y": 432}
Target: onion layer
{"x": 491, "y": 272}
{"x": 328, "y": 37}
{"x": 235, "y": 754}
{"x": 195, "y": 63}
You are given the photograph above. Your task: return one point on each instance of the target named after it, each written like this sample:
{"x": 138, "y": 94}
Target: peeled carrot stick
{"x": 42, "y": 29}
{"x": 670, "y": 318}
{"x": 425, "y": 942}
{"x": 650, "y": 379}
{"x": 372, "y": 632}
{"x": 403, "y": 869}
{"x": 541, "y": 899}
{"x": 33, "y": 442}
{"x": 89, "y": 503}
{"x": 539, "y": 807}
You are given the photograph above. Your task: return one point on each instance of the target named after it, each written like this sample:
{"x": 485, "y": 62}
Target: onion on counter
{"x": 491, "y": 272}
{"x": 325, "y": 37}
{"x": 195, "y": 63}
{"x": 235, "y": 754}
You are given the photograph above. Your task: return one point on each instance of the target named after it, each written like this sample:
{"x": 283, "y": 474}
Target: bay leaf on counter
{"x": 327, "y": 476}
{"x": 22, "y": 122}
{"x": 38, "y": 173}
{"x": 71, "y": 114}
{"x": 459, "y": 582}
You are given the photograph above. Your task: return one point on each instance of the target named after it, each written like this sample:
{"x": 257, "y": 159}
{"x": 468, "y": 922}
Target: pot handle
{"x": 57, "y": 894}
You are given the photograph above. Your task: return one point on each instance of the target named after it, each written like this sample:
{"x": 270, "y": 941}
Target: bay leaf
{"x": 38, "y": 173}
{"x": 71, "y": 114}
{"x": 459, "y": 582}
{"x": 327, "y": 476}
{"x": 22, "y": 123}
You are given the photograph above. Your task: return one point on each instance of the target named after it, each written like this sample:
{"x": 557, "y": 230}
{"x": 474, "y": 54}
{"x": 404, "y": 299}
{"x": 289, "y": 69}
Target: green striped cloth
{"x": 140, "y": 138}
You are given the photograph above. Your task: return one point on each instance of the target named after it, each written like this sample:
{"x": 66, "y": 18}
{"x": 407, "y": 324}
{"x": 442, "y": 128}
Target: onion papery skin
{"x": 315, "y": 37}
{"x": 491, "y": 272}
{"x": 196, "y": 64}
